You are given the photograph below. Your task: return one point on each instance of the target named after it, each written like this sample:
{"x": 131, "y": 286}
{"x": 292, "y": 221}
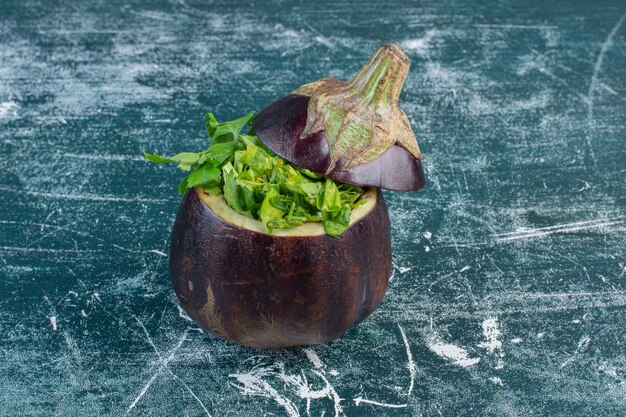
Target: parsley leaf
{"x": 205, "y": 176}
{"x": 222, "y": 132}
{"x": 218, "y": 153}
{"x": 186, "y": 160}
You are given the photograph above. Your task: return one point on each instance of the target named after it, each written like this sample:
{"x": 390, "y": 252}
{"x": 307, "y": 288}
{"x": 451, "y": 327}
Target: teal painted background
{"x": 508, "y": 291}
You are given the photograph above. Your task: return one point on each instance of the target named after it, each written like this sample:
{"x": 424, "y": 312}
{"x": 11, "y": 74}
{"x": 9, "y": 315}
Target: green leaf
{"x": 255, "y": 158}
{"x": 248, "y": 175}
{"x": 205, "y": 176}
{"x": 215, "y": 190}
{"x": 157, "y": 159}
{"x": 303, "y": 186}
{"x": 218, "y": 153}
{"x": 329, "y": 199}
{"x": 186, "y": 160}
{"x": 248, "y": 198}
{"x": 211, "y": 124}
{"x": 182, "y": 187}
{"x": 281, "y": 202}
{"x": 230, "y": 188}
{"x": 358, "y": 203}
{"x": 268, "y": 212}
{"x": 349, "y": 193}
{"x": 333, "y": 229}
{"x": 286, "y": 223}
{"x": 227, "y": 131}
{"x": 310, "y": 174}
{"x": 311, "y": 215}
{"x": 246, "y": 191}
{"x": 335, "y": 223}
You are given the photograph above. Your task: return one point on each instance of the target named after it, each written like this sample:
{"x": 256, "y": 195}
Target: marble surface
{"x": 508, "y": 289}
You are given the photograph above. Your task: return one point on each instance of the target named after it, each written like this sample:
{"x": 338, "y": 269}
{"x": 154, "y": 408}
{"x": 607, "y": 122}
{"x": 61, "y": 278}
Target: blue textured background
{"x": 507, "y": 296}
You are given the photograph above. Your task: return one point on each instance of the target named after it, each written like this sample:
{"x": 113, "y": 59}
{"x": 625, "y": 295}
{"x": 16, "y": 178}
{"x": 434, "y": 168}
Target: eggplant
{"x": 301, "y": 286}
{"x": 351, "y": 131}
{"x": 296, "y": 287}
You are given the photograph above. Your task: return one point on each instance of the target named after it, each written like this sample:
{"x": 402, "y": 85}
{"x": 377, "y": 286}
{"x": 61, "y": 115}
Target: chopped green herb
{"x": 268, "y": 212}
{"x": 259, "y": 184}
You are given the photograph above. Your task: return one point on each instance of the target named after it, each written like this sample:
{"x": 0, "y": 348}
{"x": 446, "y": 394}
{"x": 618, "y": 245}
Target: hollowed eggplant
{"x": 295, "y": 287}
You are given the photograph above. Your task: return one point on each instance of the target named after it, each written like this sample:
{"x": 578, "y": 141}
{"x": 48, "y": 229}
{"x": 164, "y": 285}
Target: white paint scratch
{"x": 182, "y": 313}
{"x": 86, "y": 197}
{"x": 158, "y": 252}
{"x": 465, "y": 268}
{"x": 524, "y": 233}
{"x": 101, "y": 157}
{"x": 148, "y": 338}
{"x": 253, "y": 383}
{"x": 72, "y": 347}
{"x": 6, "y": 107}
{"x": 315, "y": 360}
{"x": 419, "y": 45}
{"x": 492, "y": 343}
{"x": 496, "y": 380}
{"x": 545, "y": 57}
{"x": 333, "y": 394}
{"x": 583, "y": 344}
{"x": 491, "y": 332}
{"x": 360, "y": 400}
{"x": 53, "y": 322}
{"x": 11, "y": 249}
{"x": 162, "y": 365}
{"x": 410, "y": 362}
{"x": 512, "y": 26}
{"x": 158, "y": 353}
{"x": 608, "y": 42}
{"x": 457, "y": 355}
{"x": 530, "y": 64}
{"x": 193, "y": 394}
{"x": 411, "y": 366}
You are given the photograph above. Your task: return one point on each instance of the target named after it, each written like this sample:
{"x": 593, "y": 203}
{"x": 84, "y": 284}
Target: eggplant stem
{"x": 379, "y": 81}
{"x": 361, "y": 118}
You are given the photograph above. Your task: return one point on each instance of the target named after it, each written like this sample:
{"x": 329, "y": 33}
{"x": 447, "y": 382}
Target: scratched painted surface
{"x": 507, "y": 295}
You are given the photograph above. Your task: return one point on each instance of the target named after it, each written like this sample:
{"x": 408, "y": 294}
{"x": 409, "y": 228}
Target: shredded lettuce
{"x": 260, "y": 184}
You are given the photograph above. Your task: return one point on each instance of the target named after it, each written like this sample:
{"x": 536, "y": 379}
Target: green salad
{"x": 260, "y": 184}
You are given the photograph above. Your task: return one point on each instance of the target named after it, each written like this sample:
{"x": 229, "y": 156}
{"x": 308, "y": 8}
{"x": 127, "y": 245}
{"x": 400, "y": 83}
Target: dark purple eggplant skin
{"x": 277, "y": 291}
{"x": 280, "y": 125}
